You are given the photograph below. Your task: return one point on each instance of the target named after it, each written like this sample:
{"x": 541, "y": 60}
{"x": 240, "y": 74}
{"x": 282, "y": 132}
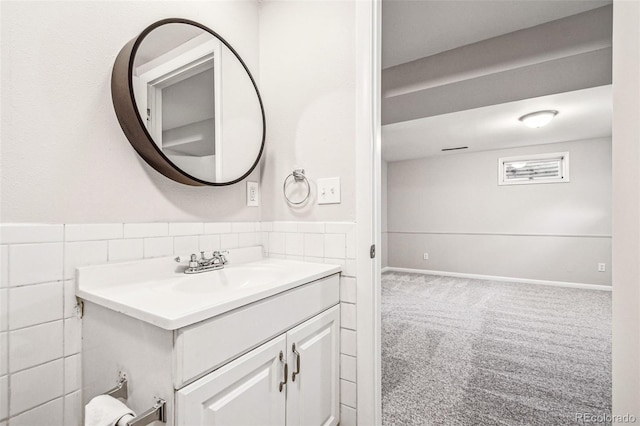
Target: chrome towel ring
{"x": 298, "y": 176}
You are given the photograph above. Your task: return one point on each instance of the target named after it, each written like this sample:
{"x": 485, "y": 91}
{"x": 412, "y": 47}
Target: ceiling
{"x": 414, "y": 29}
{"x": 164, "y": 39}
{"x": 583, "y": 114}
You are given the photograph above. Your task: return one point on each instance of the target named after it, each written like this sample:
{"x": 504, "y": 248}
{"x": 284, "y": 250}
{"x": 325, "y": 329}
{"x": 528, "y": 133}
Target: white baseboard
{"x": 497, "y": 278}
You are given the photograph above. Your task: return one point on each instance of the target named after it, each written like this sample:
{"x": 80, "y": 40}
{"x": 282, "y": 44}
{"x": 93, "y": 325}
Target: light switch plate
{"x": 329, "y": 191}
{"x": 253, "y": 194}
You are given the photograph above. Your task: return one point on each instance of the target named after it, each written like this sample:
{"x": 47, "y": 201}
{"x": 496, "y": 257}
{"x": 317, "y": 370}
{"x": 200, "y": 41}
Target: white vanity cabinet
{"x": 227, "y": 369}
{"x": 272, "y": 382}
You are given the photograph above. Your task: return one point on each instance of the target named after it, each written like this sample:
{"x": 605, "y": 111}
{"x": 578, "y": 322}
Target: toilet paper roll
{"x": 105, "y": 410}
{"x": 124, "y": 419}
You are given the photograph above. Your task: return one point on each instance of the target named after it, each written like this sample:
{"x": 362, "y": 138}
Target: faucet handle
{"x": 219, "y": 255}
{"x": 202, "y": 255}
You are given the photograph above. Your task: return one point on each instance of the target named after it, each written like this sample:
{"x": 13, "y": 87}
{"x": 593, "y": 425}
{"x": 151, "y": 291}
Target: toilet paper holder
{"x": 156, "y": 413}
{"x": 121, "y": 390}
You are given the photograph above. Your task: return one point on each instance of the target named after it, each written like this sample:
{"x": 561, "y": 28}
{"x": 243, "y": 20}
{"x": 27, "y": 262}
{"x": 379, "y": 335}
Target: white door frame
{"x": 626, "y": 209}
{"x": 368, "y": 210}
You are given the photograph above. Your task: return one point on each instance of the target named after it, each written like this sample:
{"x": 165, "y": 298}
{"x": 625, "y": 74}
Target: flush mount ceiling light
{"x": 538, "y": 118}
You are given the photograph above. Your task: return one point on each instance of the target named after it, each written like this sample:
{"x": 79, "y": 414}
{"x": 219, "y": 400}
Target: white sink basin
{"x": 158, "y": 292}
{"x": 222, "y": 281}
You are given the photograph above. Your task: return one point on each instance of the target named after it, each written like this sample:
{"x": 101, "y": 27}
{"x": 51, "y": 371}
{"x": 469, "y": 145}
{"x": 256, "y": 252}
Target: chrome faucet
{"x": 217, "y": 261}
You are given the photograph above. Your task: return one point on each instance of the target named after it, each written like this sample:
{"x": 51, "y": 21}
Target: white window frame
{"x": 564, "y": 167}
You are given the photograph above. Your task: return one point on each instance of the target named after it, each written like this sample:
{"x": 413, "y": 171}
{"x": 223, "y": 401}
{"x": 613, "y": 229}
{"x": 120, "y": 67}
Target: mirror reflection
{"x": 197, "y": 102}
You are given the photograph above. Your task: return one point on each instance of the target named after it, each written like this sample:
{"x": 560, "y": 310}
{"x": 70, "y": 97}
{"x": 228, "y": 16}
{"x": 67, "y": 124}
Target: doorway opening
{"x": 496, "y": 302}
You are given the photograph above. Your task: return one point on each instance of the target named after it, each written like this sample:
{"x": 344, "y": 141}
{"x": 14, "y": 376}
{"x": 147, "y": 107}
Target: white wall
{"x": 307, "y": 79}
{"x": 452, "y": 207}
{"x": 64, "y": 157}
{"x": 626, "y": 203}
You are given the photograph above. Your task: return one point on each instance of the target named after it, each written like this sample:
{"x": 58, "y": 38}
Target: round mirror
{"x": 188, "y": 104}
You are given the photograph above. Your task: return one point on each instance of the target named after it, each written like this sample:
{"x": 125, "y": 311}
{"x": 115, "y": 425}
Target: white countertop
{"x": 157, "y": 292}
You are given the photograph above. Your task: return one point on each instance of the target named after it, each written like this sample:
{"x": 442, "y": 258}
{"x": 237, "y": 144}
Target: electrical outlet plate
{"x": 253, "y": 194}
{"x": 329, "y": 191}
{"x": 425, "y": 256}
{"x": 602, "y": 267}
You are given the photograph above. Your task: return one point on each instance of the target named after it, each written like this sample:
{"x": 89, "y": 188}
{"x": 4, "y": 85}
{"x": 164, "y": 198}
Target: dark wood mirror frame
{"x": 132, "y": 125}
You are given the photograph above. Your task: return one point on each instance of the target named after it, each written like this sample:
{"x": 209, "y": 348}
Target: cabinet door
{"x": 244, "y": 392}
{"x": 313, "y": 395}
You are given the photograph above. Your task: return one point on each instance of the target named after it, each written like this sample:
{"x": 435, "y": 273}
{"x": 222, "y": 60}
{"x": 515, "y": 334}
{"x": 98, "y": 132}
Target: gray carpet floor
{"x": 472, "y": 352}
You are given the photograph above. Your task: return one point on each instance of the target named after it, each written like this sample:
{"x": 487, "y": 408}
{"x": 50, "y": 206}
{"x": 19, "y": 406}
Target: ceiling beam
{"x": 569, "y": 54}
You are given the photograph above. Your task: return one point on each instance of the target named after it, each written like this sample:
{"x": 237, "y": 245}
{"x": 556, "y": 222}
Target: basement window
{"x": 537, "y": 168}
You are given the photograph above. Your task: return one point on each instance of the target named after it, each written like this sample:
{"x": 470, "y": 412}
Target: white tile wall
{"x": 125, "y": 249}
{"x": 240, "y": 227}
{"x": 348, "y": 342}
{"x": 72, "y": 336}
{"x": 248, "y": 239}
{"x": 348, "y": 368}
{"x": 24, "y": 233}
{"x": 348, "y": 393}
{"x": 4, "y": 309}
{"x": 348, "y": 290}
{"x": 229, "y": 241}
{"x": 347, "y": 416}
{"x": 348, "y": 315}
{"x": 72, "y": 373}
{"x": 185, "y": 245}
{"x": 70, "y": 304}
{"x": 50, "y": 413}
{"x": 4, "y": 266}
{"x": 217, "y": 228}
{"x": 72, "y": 408}
{"x": 276, "y": 242}
{"x": 35, "y": 345}
{"x": 312, "y": 227}
{"x": 158, "y": 247}
{"x": 186, "y": 228}
{"x": 23, "y": 258}
{"x": 84, "y": 253}
{"x": 314, "y": 245}
{"x": 35, "y": 386}
{"x": 92, "y": 232}
{"x": 294, "y": 243}
{"x": 145, "y": 230}
{"x": 35, "y": 304}
{"x": 209, "y": 242}
{"x": 335, "y": 245}
{"x": 4, "y": 396}
{"x": 4, "y": 356}
{"x": 40, "y": 332}
{"x": 285, "y": 226}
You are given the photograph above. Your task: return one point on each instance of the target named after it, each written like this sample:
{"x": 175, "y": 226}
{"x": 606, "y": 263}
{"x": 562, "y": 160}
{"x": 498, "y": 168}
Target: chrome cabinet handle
{"x": 295, "y": 373}
{"x": 286, "y": 372}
